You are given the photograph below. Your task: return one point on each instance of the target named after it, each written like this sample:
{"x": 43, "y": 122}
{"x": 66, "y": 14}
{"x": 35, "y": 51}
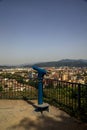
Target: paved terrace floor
{"x": 21, "y": 115}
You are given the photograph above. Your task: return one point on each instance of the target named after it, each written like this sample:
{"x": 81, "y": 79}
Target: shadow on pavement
{"x": 43, "y": 122}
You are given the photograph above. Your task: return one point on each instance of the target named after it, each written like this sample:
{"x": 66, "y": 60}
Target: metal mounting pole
{"x": 40, "y": 91}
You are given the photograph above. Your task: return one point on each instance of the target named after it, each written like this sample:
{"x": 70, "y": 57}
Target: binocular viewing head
{"x": 41, "y": 72}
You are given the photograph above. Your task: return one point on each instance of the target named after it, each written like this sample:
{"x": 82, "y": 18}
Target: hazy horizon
{"x": 39, "y": 62}
{"x": 33, "y": 31}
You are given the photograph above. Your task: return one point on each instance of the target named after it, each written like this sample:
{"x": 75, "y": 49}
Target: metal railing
{"x": 12, "y": 89}
{"x": 70, "y": 97}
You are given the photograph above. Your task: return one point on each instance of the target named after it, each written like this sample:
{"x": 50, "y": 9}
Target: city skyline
{"x": 42, "y": 30}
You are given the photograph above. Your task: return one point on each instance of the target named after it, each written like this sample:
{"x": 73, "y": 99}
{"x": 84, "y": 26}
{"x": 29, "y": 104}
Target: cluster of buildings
{"x": 69, "y": 74}
{"x": 11, "y": 83}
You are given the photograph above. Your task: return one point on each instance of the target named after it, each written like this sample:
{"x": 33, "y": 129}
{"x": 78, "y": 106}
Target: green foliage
{"x": 10, "y": 89}
{"x": 1, "y": 88}
{"x": 33, "y": 83}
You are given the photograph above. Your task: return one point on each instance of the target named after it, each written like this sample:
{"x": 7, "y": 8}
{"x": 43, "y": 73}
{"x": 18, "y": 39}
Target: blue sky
{"x": 42, "y": 30}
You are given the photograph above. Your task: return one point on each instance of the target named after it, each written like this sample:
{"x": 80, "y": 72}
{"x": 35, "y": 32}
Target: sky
{"x": 34, "y": 31}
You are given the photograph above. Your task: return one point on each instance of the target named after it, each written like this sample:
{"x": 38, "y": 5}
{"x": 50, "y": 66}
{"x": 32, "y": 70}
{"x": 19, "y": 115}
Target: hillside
{"x": 65, "y": 62}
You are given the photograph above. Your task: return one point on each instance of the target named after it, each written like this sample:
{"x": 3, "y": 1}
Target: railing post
{"x": 79, "y": 97}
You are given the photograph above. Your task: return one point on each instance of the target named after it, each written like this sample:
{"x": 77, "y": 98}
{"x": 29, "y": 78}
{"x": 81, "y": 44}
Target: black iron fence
{"x": 12, "y": 89}
{"x": 71, "y": 97}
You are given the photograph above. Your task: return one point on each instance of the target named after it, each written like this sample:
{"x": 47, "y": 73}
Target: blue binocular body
{"x": 41, "y": 73}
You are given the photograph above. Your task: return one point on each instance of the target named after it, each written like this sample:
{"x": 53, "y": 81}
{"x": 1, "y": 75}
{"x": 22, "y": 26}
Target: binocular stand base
{"x": 42, "y": 107}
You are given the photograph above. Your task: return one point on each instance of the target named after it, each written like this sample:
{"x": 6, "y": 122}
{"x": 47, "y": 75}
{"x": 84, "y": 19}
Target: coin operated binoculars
{"x": 41, "y": 72}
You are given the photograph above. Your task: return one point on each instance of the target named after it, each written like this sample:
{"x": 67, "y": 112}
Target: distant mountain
{"x": 64, "y": 62}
